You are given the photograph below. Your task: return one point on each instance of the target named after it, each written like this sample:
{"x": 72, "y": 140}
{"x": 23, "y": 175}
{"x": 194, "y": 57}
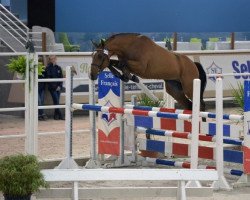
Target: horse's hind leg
{"x": 174, "y": 88}
{"x": 187, "y": 85}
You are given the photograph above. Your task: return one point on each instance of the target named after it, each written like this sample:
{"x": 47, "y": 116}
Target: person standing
{"x": 41, "y": 91}
{"x": 55, "y": 71}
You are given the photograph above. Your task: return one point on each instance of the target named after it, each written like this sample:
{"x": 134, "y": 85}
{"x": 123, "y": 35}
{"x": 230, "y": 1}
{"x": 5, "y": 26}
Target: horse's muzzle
{"x": 93, "y": 77}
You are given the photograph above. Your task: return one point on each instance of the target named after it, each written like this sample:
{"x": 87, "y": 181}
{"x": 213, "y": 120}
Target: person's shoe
{"x": 45, "y": 117}
{"x": 56, "y": 118}
{"x": 61, "y": 118}
{"x": 41, "y": 118}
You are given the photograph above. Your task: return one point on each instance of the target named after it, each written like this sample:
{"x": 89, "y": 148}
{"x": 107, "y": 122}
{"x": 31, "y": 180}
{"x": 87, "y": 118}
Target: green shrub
{"x": 144, "y": 100}
{"x": 20, "y": 175}
{"x": 238, "y": 94}
{"x": 18, "y": 64}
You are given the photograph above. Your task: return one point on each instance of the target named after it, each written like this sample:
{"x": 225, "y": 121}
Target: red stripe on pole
{"x": 116, "y": 110}
{"x": 170, "y": 110}
{"x": 187, "y": 124}
{"x": 210, "y": 167}
{"x": 246, "y": 162}
{"x": 180, "y": 149}
{"x": 206, "y": 152}
{"x": 205, "y": 138}
{"x": 140, "y": 112}
{"x": 186, "y": 165}
{"x": 180, "y": 135}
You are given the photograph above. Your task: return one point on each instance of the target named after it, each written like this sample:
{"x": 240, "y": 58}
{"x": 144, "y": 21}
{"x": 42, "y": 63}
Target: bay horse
{"x": 139, "y": 55}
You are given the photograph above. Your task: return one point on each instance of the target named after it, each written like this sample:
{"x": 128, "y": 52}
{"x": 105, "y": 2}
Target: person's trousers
{"x": 41, "y": 101}
{"x": 56, "y": 99}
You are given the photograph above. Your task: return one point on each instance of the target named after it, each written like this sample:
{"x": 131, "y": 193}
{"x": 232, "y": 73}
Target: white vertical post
{"x": 222, "y": 182}
{"x": 92, "y": 116}
{"x": 168, "y": 99}
{"x": 68, "y": 163}
{"x": 134, "y": 149}
{"x": 93, "y": 162}
{"x": 75, "y": 190}
{"x": 27, "y": 106}
{"x": 31, "y": 135}
{"x": 181, "y": 191}
{"x": 122, "y": 134}
{"x": 195, "y": 130}
{"x": 68, "y": 113}
{"x": 35, "y": 104}
{"x": 195, "y": 123}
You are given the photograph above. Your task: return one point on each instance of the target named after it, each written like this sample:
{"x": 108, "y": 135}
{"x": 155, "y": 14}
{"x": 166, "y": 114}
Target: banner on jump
{"x": 108, "y": 124}
{"x": 246, "y": 147}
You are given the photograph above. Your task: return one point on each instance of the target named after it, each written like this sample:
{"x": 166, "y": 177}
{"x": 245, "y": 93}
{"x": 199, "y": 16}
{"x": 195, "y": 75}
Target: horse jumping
{"x": 139, "y": 55}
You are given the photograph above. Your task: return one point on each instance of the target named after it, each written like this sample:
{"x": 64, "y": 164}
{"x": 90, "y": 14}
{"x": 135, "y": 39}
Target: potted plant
{"x": 238, "y": 95}
{"x": 18, "y": 65}
{"x": 144, "y": 100}
{"x": 20, "y": 177}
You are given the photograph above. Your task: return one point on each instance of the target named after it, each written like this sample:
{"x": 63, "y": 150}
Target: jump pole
{"x": 147, "y": 91}
{"x": 68, "y": 162}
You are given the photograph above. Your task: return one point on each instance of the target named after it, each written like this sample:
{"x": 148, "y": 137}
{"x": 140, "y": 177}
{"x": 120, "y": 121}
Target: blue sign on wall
{"x": 152, "y": 16}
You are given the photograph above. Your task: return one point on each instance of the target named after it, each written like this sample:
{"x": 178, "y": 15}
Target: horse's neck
{"x": 120, "y": 45}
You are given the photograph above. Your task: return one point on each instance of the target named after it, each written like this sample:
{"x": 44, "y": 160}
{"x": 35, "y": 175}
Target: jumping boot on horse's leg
{"x": 123, "y": 67}
{"x": 135, "y": 79}
{"x": 114, "y": 71}
{"x": 114, "y": 64}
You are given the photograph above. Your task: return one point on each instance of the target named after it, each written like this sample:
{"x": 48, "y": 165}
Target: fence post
{"x": 222, "y": 182}
{"x": 232, "y": 40}
{"x": 27, "y": 106}
{"x": 69, "y": 162}
{"x": 134, "y": 149}
{"x": 122, "y": 128}
{"x": 195, "y": 130}
{"x": 93, "y": 161}
{"x": 175, "y": 42}
{"x": 35, "y": 104}
{"x": 32, "y": 139}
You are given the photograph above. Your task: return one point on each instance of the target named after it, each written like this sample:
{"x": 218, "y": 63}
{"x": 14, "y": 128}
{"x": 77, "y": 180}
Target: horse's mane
{"x": 121, "y": 34}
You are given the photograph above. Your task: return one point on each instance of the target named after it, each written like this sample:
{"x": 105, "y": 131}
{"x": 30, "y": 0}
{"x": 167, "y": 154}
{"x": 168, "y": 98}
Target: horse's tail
{"x": 203, "y": 78}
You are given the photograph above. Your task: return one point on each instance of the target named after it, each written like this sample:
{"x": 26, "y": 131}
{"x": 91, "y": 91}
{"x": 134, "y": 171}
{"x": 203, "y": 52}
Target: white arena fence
{"x": 72, "y": 58}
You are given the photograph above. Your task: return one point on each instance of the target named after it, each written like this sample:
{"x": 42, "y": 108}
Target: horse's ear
{"x": 102, "y": 43}
{"x": 95, "y": 44}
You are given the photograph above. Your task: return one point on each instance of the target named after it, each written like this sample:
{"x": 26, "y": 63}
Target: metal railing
{"x": 31, "y": 102}
{"x": 14, "y": 17}
{"x": 18, "y": 30}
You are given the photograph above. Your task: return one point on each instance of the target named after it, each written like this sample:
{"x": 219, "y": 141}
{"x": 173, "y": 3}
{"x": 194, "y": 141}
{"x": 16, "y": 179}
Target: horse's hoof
{"x": 135, "y": 79}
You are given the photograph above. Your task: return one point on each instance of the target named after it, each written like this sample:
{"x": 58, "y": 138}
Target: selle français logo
{"x": 109, "y": 117}
{"x": 214, "y": 69}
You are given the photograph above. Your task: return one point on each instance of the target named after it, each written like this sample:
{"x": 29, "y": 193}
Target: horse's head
{"x": 99, "y": 62}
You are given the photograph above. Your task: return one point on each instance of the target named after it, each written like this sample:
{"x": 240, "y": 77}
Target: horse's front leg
{"x": 113, "y": 66}
{"x": 123, "y": 65}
